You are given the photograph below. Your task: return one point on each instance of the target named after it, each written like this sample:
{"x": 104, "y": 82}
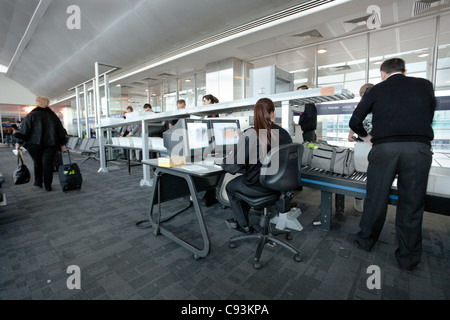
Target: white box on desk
{"x": 115, "y": 141}
{"x": 126, "y": 141}
{"x": 137, "y": 141}
{"x": 156, "y": 143}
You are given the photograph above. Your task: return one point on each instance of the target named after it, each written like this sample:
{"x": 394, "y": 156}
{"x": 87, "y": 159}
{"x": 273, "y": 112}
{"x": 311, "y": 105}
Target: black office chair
{"x": 280, "y": 172}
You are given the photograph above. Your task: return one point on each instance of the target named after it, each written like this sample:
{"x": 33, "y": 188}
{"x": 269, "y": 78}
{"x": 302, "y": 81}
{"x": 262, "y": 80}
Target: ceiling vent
{"x": 340, "y": 68}
{"x": 353, "y": 24}
{"x": 149, "y": 79}
{"x": 425, "y": 6}
{"x": 136, "y": 83}
{"x": 372, "y": 20}
{"x": 164, "y": 74}
{"x": 309, "y": 34}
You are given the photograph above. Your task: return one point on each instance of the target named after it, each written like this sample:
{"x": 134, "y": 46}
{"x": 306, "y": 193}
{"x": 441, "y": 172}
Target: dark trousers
{"x": 43, "y": 164}
{"x": 309, "y": 136}
{"x": 411, "y": 162}
{"x": 240, "y": 209}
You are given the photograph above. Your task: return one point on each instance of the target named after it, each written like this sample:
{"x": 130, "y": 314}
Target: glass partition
{"x": 187, "y": 90}
{"x": 170, "y": 95}
{"x": 200, "y": 82}
{"x": 155, "y": 96}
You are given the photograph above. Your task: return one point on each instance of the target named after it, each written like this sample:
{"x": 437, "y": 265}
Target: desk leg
{"x": 340, "y": 203}
{"x": 326, "y": 210}
{"x": 129, "y": 161}
{"x": 158, "y": 229}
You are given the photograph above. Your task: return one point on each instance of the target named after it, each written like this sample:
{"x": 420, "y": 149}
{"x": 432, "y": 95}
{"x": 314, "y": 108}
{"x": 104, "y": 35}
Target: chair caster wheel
{"x": 257, "y": 265}
{"x": 297, "y": 258}
{"x": 288, "y": 236}
{"x": 232, "y": 245}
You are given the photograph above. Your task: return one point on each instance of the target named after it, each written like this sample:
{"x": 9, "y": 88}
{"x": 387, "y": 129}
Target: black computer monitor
{"x": 198, "y": 138}
{"x": 225, "y": 133}
{"x": 175, "y": 139}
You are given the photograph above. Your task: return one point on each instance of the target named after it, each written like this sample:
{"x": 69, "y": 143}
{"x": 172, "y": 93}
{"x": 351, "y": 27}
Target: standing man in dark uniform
{"x": 308, "y": 119}
{"x": 403, "y": 110}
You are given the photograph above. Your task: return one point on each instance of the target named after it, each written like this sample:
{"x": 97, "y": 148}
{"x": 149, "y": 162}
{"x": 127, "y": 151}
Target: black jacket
{"x": 247, "y": 159}
{"x": 308, "y": 119}
{"x": 403, "y": 110}
{"x": 42, "y": 127}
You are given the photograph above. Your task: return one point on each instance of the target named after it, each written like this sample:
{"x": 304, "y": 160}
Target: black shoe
{"x": 246, "y": 229}
{"x": 231, "y": 223}
{"x": 358, "y": 244}
{"x": 37, "y": 185}
{"x": 48, "y": 188}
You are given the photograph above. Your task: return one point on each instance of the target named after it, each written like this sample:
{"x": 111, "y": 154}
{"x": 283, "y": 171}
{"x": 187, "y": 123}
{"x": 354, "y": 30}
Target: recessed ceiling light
{"x": 322, "y": 50}
{"x": 187, "y": 80}
{"x": 423, "y": 55}
{"x": 378, "y": 62}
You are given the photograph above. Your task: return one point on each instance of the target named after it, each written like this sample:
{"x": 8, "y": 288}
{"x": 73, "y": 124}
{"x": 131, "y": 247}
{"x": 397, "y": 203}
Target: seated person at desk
{"x": 181, "y": 104}
{"x": 260, "y": 136}
{"x": 210, "y": 99}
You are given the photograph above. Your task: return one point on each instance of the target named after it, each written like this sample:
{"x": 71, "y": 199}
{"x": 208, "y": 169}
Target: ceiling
{"x": 169, "y": 37}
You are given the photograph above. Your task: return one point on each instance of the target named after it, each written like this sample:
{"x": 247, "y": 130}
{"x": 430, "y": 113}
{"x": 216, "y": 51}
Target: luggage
{"x": 327, "y": 157}
{"x": 21, "y": 174}
{"x": 70, "y": 176}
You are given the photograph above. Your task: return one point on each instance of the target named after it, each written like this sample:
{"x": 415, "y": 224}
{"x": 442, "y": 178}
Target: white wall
{"x": 12, "y": 92}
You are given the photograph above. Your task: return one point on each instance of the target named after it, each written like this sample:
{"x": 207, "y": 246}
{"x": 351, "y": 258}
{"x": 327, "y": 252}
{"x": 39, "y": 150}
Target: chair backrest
{"x": 83, "y": 144}
{"x": 89, "y": 144}
{"x": 281, "y": 167}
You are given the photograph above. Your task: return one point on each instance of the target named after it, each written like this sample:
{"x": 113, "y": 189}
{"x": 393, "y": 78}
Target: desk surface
{"x": 135, "y": 148}
{"x": 196, "y": 169}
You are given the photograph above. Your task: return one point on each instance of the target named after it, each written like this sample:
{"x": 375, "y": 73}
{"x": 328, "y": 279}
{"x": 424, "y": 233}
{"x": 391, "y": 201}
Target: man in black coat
{"x": 43, "y": 135}
{"x": 403, "y": 110}
{"x": 308, "y": 119}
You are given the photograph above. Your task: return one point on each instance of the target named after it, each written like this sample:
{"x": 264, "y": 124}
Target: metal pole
{"x": 77, "y": 102}
{"x": 435, "y": 53}
{"x": 99, "y": 131}
{"x": 107, "y": 97}
{"x": 1, "y": 126}
{"x": 86, "y": 108}
{"x": 368, "y": 58}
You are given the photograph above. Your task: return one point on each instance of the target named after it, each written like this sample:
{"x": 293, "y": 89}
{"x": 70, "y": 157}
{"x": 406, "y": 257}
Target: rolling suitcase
{"x": 70, "y": 176}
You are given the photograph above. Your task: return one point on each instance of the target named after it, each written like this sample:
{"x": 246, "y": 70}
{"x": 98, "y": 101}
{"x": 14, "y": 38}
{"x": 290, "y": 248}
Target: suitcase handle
{"x": 68, "y": 152}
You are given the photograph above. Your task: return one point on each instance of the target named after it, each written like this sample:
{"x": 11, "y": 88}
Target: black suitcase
{"x": 70, "y": 176}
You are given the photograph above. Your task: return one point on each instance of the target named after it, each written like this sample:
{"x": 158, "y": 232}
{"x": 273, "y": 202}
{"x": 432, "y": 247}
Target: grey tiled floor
{"x": 42, "y": 233}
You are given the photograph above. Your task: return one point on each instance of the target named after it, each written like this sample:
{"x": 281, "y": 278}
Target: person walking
{"x": 403, "y": 110}
{"x": 43, "y": 135}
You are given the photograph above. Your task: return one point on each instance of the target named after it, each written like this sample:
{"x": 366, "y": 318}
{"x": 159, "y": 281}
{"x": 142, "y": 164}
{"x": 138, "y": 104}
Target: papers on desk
{"x": 194, "y": 167}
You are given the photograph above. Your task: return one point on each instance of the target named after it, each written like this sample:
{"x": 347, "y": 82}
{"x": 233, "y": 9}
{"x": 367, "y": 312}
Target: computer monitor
{"x": 225, "y": 133}
{"x": 198, "y": 138}
{"x": 175, "y": 139}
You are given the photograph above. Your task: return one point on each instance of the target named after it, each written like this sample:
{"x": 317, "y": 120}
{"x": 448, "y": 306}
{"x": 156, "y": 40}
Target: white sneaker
{"x": 358, "y": 205}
